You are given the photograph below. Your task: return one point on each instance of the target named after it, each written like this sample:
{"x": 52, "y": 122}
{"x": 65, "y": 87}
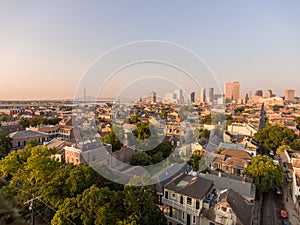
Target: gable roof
{"x": 242, "y": 208}
{"x": 195, "y": 187}
{"x": 27, "y": 134}
{"x": 234, "y": 153}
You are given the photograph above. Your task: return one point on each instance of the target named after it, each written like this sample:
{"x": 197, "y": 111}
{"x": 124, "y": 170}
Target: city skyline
{"x": 45, "y": 56}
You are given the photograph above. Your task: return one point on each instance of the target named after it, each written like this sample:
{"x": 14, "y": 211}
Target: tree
{"x": 264, "y": 172}
{"x": 141, "y": 203}
{"x": 282, "y": 148}
{"x": 274, "y": 136}
{"x": 140, "y": 158}
{"x": 164, "y": 113}
{"x": 4, "y": 118}
{"x": 114, "y": 137}
{"x": 195, "y": 162}
{"x": 201, "y": 133}
{"x": 5, "y": 144}
{"x": 133, "y": 119}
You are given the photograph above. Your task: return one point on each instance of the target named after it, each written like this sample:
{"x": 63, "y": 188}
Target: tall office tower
{"x": 246, "y": 99}
{"x": 267, "y": 94}
{"x": 289, "y": 95}
{"x": 236, "y": 90}
{"x": 259, "y": 93}
{"x": 250, "y": 95}
{"x": 179, "y": 97}
{"x": 228, "y": 91}
{"x": 193, "y": 97}
{"x": 210, "y": 95}
{"x": 202, "y": 95}
{"x": 152, "y": 97}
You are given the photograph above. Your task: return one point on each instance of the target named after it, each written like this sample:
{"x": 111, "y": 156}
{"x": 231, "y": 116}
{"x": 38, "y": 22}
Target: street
{"x": 271, "y": 205}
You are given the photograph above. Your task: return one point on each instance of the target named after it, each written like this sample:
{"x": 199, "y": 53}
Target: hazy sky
{"x": 47, "y": 46}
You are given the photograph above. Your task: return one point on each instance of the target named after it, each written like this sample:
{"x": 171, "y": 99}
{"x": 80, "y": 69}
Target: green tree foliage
{"x": 195, "y": 162}
{"x": 75, "y": 194}
{"x": 140, "y": 158}
{"x": 133, "y": 119}
{"x": 134, "y": 205}
{"x": 276, "y": 108}
{"x": 142, "y": 130}
{"x": 297, "y": 120}
{"x": 5, "y": 144}
{"x": 201, "y": 133}
{"x": 164, "y": 113}
{"x": 239, "y": 110}
{"x": 35, "y": 121}
{"x": 114, "y": 138}
{"x": 264, "y": 172}
{"x": 274, "y": 136}
{"x": 282, "y": 148}
{"x": 205, "y": 119}
{"x": 4, "y": 118}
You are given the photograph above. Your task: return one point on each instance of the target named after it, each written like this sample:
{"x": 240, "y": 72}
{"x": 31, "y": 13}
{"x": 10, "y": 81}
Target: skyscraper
{"x": 236, "y": 91}
{"x": 193, "y": 97}
{"x": 289, "y": 95}
{"x": 210, "y": 95}
{"x": 228, "y": 89}
{"x": 152, "y": 97}
{"x": 179, "y": 97}
{"x": 202, "y": 95}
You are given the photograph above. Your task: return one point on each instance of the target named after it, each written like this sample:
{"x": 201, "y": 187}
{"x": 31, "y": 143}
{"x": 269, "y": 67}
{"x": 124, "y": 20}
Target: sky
{"x": 49, "y": 49}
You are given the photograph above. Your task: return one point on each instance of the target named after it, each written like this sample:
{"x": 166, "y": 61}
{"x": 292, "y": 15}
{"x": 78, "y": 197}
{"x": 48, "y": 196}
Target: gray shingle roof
{"x": 195, "y": 187}
{"x": 27, "y": 134}
{"x": 240, "y": 206}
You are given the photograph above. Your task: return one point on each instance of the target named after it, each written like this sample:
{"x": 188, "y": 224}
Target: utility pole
{"x": 31, "y": 208}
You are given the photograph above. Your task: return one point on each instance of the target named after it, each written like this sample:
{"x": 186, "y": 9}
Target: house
{"x": 59, "y": 145}
{"x": 230, "y": 161}
{"x": 88, "y": 152}
{"x": 21, "y": 138}
{"x": 52, "y": 130}
{"x": 231, "y": 208}
{"x": 192, "y": 200}
{"x": 241, "y": 185}
{"x": 184, "y": 198}
{"x": 242, "y": 129}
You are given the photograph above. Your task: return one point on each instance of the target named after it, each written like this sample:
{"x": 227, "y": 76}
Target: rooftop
{"x": 195, "y": 187}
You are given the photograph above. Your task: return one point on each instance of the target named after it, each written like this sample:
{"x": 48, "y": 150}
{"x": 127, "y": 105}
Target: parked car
{"x": 283, "y": 214}
{"x": 288, "y": 176}
{"x": 277, "y": 190}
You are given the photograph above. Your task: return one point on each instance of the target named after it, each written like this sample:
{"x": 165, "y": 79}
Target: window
{"x": 173, "y": 195}
{"x": 189, "y": 201}
{"x": 183, "y": 215}
{"x": 166, "y": 194}
{"x": 19, "y": 144}
{"x": 93, "y": 158}
{"x": 181, "y": 199}
{"x": 170, "y": 223}
{"x": 211, "y": 223}
{"x": 194, "y": 219}
{"x": 197, "y": 205}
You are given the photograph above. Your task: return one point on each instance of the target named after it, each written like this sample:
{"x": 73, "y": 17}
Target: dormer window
{"x": 189, "y": 201}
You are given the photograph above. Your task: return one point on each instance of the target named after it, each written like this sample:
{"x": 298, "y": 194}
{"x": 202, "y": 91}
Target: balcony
{"x": 174, "y": 219}
{"x": 186, "y": 208}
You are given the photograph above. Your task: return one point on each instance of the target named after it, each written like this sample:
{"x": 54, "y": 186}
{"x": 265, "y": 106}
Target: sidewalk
{"x": 289, "y": 205}
{"x": 257, "y": 212}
